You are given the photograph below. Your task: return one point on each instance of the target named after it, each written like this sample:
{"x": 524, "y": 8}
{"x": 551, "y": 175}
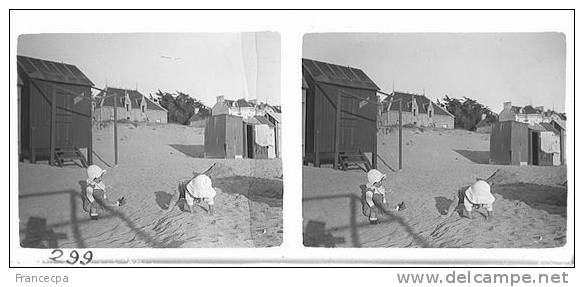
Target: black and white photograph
{"x": 434, "y": 140}
{"x": 149, "y": 140}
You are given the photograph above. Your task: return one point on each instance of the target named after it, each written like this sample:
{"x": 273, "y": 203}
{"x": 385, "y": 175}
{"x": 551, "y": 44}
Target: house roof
{"x": 242, "y": 103}
{"x": 52, "y": 71}
{"x": 407, "y": 98}
{"x": 134, "y": 95}
{"x": 263, "y": 121}
{"x": 336, "y": 74}
{"x": 550, "y": 127}
{"x": 274, "y": 114}
{"x": 560, "y": 123}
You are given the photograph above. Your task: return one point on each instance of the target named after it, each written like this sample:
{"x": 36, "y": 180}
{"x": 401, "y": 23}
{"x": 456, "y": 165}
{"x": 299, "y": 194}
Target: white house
{"x": 132, "y": 105}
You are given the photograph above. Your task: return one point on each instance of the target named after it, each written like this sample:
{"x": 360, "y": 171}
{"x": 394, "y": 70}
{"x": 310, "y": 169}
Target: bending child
{"x": 95, "y": 191}
{"x": 474, "y": 197}
{"x": 198, "y": 189}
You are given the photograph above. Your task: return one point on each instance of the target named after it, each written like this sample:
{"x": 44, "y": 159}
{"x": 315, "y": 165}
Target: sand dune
{"x": 152, "y": 160}
{"x": 530, "y": 210}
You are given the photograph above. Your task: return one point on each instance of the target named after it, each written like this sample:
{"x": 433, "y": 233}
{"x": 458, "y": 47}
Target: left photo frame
{"x": 149, "y": 140}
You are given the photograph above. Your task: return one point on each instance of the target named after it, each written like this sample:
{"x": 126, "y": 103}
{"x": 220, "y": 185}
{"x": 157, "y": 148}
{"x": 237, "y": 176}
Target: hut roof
{"x": 338, "y": 75}
{"x": 52, "y": 71}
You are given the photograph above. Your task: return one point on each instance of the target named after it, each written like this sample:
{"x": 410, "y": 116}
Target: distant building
{"x": 416, "y": 109}
{"x": 485, "y": 125}
{"x": 240, "y": 108}
{"x": 261, "y": 138}
{"x": 131, "y": 105}
{"x": 517, "y": 143}
{"x": 529, "y": 115}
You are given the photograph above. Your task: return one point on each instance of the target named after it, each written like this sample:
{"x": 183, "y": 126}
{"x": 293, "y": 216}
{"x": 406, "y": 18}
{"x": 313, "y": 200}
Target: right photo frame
{"x": 434, "y": 140}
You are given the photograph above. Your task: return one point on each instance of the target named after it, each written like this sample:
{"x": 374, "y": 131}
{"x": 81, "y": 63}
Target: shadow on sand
{"x": 312, "y": 234}
{"x": 196, "y": 151}
{"x": 268, "y": 191}
{"x": 545, "y": 197}
{"x": 39, "y": 234}
{"x": 442, "y": 204}
{"x": 476, "y": 156}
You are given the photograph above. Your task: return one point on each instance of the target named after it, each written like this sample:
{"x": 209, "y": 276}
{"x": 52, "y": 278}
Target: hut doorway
{"x": 535, "y": 148}
{"x": 249, "y": 140}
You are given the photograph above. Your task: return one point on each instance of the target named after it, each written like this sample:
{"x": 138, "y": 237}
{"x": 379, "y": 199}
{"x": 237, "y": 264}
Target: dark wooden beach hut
{"x": 509, "y": 143}
{"x": 55, "y": 111}
{"x": 224, "y": 137}
{"x": 341, "y": 114}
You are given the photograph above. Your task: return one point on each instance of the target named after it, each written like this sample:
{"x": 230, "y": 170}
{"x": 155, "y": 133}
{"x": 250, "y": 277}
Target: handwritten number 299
{"x": 73, "y": 257}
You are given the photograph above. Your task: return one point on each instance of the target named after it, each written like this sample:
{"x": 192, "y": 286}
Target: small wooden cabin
{"x": 55, "y": 111}
{"x": 517, "y": 143}
{"x": 340, "y": 113}
{"x": 224, "y": 137}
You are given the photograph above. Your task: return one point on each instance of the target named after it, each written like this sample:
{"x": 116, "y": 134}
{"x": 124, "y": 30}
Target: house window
{"x": 415, "y": 111}
{"x": 143, "y": 109}
{"x": 127, "y": 107}
{"x": 430, "y": 114}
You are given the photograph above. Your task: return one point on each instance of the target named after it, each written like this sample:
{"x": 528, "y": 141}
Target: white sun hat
{"x": 480, "y": 193}
{"x": 94, "y": 171}
{"x": 374, "y": 176}
{"x": 201, "y": 187}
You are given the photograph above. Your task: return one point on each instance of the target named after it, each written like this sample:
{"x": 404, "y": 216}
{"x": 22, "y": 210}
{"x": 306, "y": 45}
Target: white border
{"x": 292, "y": 25}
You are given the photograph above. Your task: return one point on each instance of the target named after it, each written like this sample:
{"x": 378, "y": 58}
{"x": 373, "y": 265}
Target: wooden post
{"x": 337, "y": 131}
{"x": 32, "y": 145}
{"x": 116, "y": 128}
{"x": 374, "y": 153}
{"x": 400, "y": 134}
{"x": 316, "y": 131}
{"x": 53, "y": 125}
{"x": 90, "y": 147}
{"x": 317, "y": 149}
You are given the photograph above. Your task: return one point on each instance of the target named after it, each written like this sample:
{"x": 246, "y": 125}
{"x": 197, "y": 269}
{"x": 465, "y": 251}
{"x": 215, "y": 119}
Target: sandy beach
{"x": 152, "y": 160}
{"x": 530, "y": 207}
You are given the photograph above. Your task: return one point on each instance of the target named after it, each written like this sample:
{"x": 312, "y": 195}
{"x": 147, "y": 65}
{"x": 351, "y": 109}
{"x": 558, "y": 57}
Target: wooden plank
{"x": 337, "y": 131}
{"x": 53, "y": 125}
{"x": 316, "y": 132}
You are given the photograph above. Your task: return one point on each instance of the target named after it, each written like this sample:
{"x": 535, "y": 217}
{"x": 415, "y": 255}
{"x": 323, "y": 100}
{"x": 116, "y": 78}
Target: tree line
{"x": 182, "y": 108}
{"x": 467, "y": 112}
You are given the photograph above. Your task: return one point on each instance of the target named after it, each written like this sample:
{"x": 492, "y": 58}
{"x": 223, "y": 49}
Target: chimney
{"x": 220, "y": 99}
{"x": 507, "y": 105}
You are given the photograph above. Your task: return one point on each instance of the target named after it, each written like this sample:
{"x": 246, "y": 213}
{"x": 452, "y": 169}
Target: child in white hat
{"x": 198, "y": 189}
{"x": 374, "y": 199}
{"x": 95, "y": 191}
{"x": 474, "y": 197}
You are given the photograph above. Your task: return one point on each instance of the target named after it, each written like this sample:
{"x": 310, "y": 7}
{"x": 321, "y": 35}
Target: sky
{"x": 235, "y": 65}
{"x": 523, "y": 68}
